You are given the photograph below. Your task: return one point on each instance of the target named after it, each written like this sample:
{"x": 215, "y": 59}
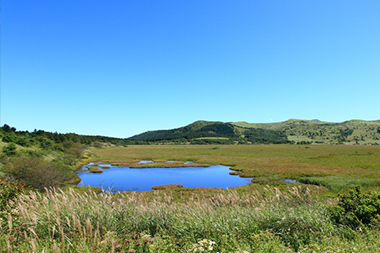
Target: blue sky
{"x": 122, "y": 67}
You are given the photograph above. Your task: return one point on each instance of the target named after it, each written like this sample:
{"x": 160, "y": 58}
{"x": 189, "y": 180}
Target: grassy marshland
{"x": 269, "y": 216}
{"x": 293, "y": 220}
{"x": 338, "y": 167}
{"x": 135, "y": 163}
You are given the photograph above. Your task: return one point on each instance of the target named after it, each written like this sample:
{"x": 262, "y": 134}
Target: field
{"x": 267, "y": 216}
{"x": 338, "y": 167}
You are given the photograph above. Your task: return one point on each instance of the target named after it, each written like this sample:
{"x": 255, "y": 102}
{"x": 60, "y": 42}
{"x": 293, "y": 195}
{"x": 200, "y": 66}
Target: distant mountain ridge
{"x": 290, "y": 131}
{"x": 352, "y": 131}
{"x": 202, "y": 132}
{"x": 216, "y": 132}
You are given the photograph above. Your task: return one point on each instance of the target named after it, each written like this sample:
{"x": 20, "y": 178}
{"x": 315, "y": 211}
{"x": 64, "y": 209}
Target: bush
{"x": 10, "y": 138}
{"x": 97, "y": 144}
{"x": 23, "y": 142}
{"x": 37, "y": 173}
{"x": 74, "y": 149}
{"x": 356, "y": 208}
{"x": 10, "y": 150}
{"x": 9, "y": 190}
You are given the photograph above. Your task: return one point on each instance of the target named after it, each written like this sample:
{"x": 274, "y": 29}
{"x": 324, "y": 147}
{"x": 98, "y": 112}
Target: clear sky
{"x": 122, "y": 67}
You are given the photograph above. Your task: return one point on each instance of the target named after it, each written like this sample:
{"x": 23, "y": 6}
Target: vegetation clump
{"x": 38, "y": 173}
{"x": 357, "y": 208}
{"x": 94, "y": 170}
{"x": 9, "y": 190}
{"x": 10, "y": 149}
{"x": 167, "y": 187}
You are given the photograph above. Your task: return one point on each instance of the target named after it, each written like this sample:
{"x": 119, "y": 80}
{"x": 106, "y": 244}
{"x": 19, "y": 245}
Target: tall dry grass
{"x": 59, "y": 221}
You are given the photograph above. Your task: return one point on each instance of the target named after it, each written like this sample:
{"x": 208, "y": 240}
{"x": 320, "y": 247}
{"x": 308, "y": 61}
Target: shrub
{"x": 10, "y": 138}
{"x": 37, "y": 173}
{"x": 97, "y": 144}
{"x": 23, "y": 142}
{"x": 9, "y": 190}
{"x": 74, "y": 149}
{"x": 356, "y": 208}
{"x": 10, "y": 149}
{"x": 46, "y": 144}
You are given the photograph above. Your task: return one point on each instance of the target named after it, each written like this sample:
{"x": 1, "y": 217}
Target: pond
{"x": 128, "y": 179}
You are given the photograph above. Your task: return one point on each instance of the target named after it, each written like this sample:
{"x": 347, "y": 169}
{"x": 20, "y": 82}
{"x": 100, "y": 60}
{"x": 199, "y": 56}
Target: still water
{"x": 127, "y": 179}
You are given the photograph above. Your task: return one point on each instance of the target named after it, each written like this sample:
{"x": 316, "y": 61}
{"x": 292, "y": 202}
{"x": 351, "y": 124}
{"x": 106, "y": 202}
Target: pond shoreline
{"x": 147, "y": 175}
{"x": 142, "y": 164}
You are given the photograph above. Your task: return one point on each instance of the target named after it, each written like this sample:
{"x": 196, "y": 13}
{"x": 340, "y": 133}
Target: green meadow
{"x": 329, "y": 209}
{"x": 337, "y": 167}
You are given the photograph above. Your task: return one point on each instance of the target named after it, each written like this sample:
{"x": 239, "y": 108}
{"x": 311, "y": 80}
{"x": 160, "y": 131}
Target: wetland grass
{"x": 94, "y": 170}
{"x": 264, "y": 163}
{"x": 291, "y": 220}
{"x": 167, "y": 187}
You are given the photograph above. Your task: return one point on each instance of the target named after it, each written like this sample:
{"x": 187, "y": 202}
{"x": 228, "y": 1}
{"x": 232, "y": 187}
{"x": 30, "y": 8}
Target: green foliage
{"x": 46, "y": 144}
{"x": 9, "y": 190}
{"x": 10, "y": 149}
{"x": 258, "y": 135}
{"x": 7, "y": 129}
{"x": 23, "y": 141}
{"x": 192, "y": 131}
{"x": 97, "y": 144}
{"x": 37, "y": 173}
{"x": 10, "y": 137}
{"x": 356, "y": 208}
{"x": 210, "y": 141}
{"x": 304, "y": 142}
{"x": 74, "y": 149}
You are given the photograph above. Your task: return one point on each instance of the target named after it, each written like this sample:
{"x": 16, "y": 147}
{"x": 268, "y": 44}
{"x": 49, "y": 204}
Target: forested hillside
{"x": 207, "y": 132}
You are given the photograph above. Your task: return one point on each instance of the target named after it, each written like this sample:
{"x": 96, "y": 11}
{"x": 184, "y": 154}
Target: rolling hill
{"x": 215, "y": 132}
{"x": 290, "y": 131}
{"x": 348, "y": 132}
{"x": 203, "y": 132}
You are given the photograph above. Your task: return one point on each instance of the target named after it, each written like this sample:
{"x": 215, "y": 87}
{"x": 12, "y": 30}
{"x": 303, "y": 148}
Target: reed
{"x": 59, "y": 221}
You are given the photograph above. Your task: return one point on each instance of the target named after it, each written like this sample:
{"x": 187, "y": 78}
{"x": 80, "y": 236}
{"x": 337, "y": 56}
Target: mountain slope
{"x": 352, "y": 131}
{"x": 201, "y": 132}
{"x": 195, "y": 130}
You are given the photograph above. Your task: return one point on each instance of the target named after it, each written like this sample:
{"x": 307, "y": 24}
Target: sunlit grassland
{"x": 272, "y": 221}
{"x": 329, "y": 164}
{"x": 268, "y": 216}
